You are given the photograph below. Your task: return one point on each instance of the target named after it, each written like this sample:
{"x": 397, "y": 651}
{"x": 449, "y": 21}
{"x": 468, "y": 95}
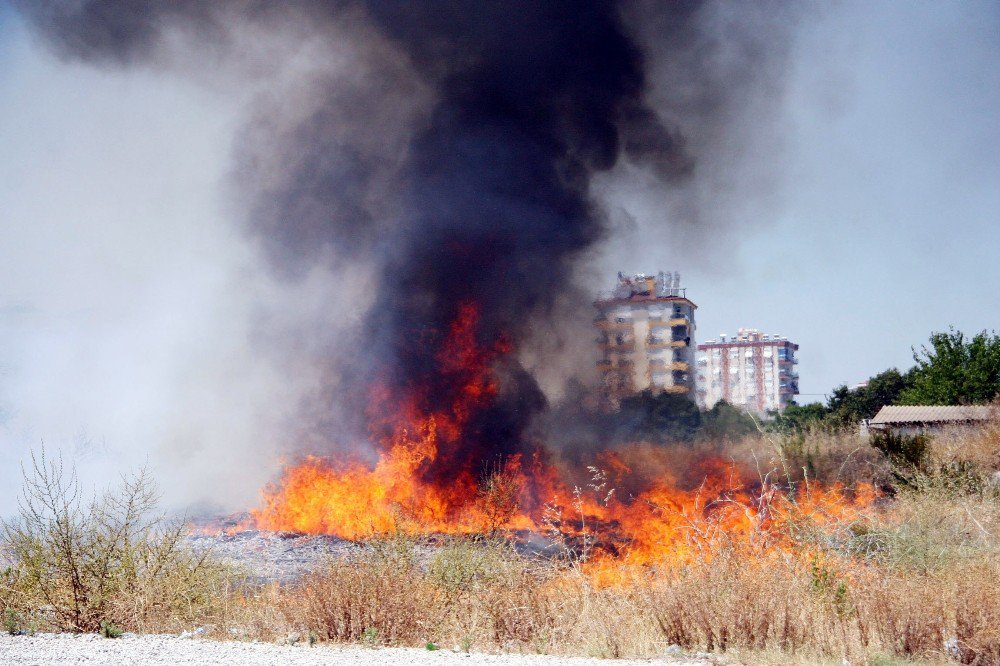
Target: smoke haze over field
{"x": 257, "y": 210}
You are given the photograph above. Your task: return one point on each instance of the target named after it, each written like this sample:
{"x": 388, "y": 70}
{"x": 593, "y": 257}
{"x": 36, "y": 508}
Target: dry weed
{"x": 913, "y": 579}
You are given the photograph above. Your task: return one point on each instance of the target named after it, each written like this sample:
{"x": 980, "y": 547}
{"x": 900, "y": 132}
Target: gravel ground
{"x": 173, "y": 651}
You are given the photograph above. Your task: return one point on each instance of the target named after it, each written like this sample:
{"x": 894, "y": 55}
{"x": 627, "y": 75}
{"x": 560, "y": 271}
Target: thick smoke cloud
{"x": 453, "y": 148}
{"x": 496, "y": 193}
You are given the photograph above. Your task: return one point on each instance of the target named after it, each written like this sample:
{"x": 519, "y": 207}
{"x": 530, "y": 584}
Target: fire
{"x": 352, "y": 500}
{"x": 425, "y": 482}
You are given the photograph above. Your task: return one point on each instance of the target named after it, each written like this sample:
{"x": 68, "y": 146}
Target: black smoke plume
{"x": 482, "y": 195}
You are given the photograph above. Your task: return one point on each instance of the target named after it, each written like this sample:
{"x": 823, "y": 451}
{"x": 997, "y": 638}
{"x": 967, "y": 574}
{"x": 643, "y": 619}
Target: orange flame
{"x": 659, "y": 521}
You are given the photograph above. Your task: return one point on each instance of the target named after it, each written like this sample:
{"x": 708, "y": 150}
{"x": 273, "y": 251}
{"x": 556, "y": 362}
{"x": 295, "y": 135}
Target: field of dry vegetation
{"x": 914, "y": 577}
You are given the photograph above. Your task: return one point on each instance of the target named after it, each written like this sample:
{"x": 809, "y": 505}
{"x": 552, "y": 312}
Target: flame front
{"x": 354, "y": 500}
{"x": 404, "y": 490}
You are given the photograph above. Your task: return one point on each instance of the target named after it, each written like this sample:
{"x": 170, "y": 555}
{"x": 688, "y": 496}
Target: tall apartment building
{"x": 646, "y": 332}
{"x": 751, "y": 370}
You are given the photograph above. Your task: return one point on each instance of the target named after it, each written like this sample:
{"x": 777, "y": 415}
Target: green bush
{"x": 907, "y": 453}
{"x": 15, "y": 623}
{"x": 109, "y": 630}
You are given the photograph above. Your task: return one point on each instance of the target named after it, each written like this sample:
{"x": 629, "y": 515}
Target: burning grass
{"x": 642, "y": 502}
{"x": 871, "y": 588}
{"x": 812, "y": 546}
{"x": 910, "y": 578}
{"x": 798, "y": 570}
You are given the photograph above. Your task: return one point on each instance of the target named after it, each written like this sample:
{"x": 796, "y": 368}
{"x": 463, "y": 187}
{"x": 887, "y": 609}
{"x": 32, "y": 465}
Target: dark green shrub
{"x": 908, "y": 454}
{"x": 109, "y": 630}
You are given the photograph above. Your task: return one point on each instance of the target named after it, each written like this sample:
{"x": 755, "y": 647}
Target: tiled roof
{"x": 932, "y": 414}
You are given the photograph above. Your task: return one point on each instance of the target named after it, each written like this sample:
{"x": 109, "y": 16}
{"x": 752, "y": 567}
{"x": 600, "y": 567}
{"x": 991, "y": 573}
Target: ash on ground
{"x": 283, "y": 557}
{"x": 265, "y": 556}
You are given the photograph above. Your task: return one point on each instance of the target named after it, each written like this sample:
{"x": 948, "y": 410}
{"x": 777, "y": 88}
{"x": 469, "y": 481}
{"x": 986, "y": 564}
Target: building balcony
{"x": 610, "y": 369}
{"x": 623, "y": 348}
{"x": 661, "y": 365}
{"x": 606, "y": 325}
{"x": 660, "y": 322}
{"x": 656, "y": 343}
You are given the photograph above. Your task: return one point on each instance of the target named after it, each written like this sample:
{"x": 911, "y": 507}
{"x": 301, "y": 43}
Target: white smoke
{"x": 138, "y": 324}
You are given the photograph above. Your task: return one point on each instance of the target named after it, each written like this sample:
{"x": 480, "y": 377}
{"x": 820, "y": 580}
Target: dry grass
{"x": 916, "y": 580}
{"x": 98, "y": 565}
{"x": 483, "y": 597}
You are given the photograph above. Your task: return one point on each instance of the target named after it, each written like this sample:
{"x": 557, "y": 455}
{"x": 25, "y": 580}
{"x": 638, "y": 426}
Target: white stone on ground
{"x": 154, "y": 650}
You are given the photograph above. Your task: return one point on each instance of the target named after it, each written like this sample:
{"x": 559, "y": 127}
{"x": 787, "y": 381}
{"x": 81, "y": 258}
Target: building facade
{"x": 646, "y": 331}
{"x": 751, "y": 370}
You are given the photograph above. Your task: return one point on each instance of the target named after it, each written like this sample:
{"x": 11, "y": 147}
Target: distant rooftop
{"x": 746, "y": 335}
{"x": 895, "y": 414}
{"x": 643, "y": 287}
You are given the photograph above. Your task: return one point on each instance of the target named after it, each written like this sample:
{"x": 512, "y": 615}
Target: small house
{"x": 910, "y": 420}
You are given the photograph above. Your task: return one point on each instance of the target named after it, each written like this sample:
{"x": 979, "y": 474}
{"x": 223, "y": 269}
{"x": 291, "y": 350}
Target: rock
{"x": 955, "y": 650}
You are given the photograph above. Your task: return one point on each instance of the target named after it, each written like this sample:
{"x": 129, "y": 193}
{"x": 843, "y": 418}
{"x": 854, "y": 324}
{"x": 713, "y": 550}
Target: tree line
{"x": 952, "y": 369}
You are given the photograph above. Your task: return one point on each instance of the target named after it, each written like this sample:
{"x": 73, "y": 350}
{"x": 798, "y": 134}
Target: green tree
{"x": 795, "y": 417}
{"x": 848, "y": 406}
{"x": 723, "y": 421}
{"x": 955, "y": 370}
{"x": 657, "y": 417}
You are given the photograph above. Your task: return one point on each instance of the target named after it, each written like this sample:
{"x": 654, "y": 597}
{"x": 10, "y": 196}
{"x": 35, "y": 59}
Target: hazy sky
{"x": 887, "y": 223}
{"x": 128, "y": 295}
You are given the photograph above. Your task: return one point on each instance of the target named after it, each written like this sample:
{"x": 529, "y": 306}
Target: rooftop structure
{"x": 917, "y": 418}
{"x": 645, "y": 334}
{"x": 752, "y": 370}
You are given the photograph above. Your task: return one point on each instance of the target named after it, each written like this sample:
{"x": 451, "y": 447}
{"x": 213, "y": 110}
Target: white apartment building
{"x": 646, "y": 335}
{"x": 751, "y": 370}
